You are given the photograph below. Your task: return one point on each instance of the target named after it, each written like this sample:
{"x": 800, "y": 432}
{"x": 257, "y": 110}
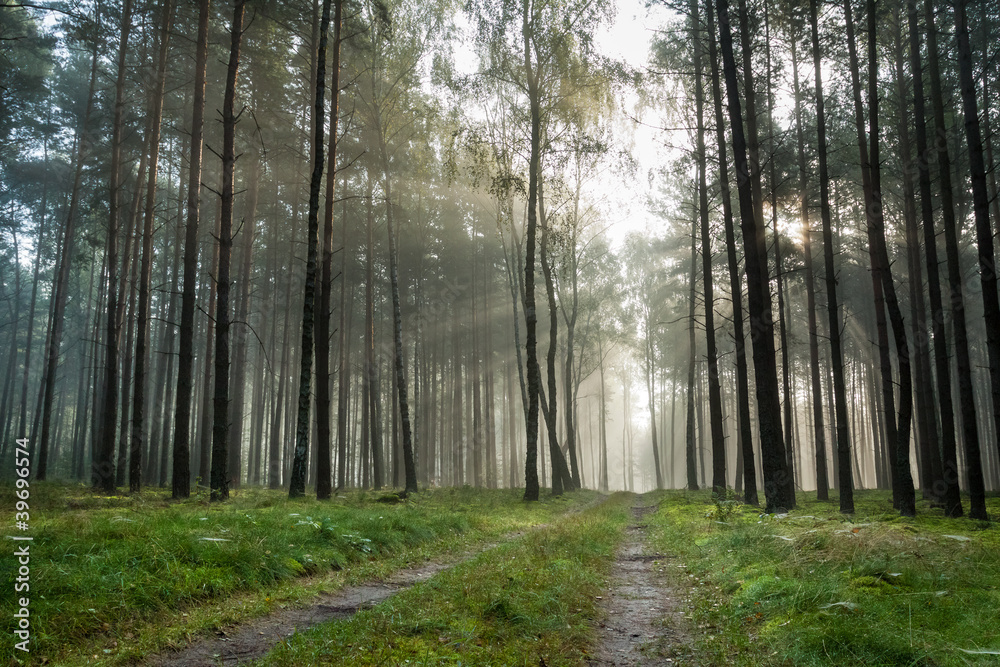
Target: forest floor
{"x": 115, "y": 579}
{"x": 816, "y": 587}
{"x": 478, "y": 577}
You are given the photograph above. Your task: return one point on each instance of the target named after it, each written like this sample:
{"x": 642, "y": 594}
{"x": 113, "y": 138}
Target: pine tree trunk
{"x": 343, "y": 384}
{"x": 819, "y": 430}
{"x": 145, "y": 285}
{"x": 984, "y": 233}
{"x": 786, "y": 371}
{"x": 777, "y": 482}
{"x": 745, "y": 461}
{"x": 397, "y": 332}
{"x": 237, "y": 379}
{"x": 323, "y": 374}
{"x": 690, "y": 444}
{"x": 842, "y": 470}
{"x": 714, "y": 390}
{"x": 181, "y": 477}
{"x": 885, "y": 291}
{"x": 929, "y": 442}
{"x": 61, "y": 282}
{"x": 109, "y": 414}
{"x": 477, "y": 395}
{"x": 297, "y": 485}
{"x": 220, "y": 419}
{"x": 970, "y": 432}
{"x": 531, "y": 490}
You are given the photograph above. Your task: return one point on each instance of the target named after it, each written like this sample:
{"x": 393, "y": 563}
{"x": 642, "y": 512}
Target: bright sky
{"x": 629, "y": 39}
{"x": 624, "y": 197}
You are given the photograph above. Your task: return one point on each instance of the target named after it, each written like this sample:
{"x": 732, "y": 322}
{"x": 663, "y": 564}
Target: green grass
{"x": 118, "y": 577}
{"x": 819, "y": 588}
{"x": 527, "y": 602}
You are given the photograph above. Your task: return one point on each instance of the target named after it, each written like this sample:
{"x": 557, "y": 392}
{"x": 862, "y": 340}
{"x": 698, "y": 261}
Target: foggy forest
{"x": 390, "y": 248}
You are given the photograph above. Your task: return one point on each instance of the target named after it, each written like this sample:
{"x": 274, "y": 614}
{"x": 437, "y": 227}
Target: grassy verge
{"x": 818, "y": 588}
{"x": 114, "y": 578}
{"x": 527, "y": 602}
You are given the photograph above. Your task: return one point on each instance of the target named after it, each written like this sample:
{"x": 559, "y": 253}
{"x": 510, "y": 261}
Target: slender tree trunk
{"x": 323, "y": 373}
{"x": 145, "y": 285}
{"x": 899, "y": 433}
{"x": 745, "y": 462}
{"x": 181, "y": 484}
{"x": 561, "y": 477}
{"x": 61, "y": 283}
{"x": 945, "y": 487}
{"x": 530, "y": 315}
{"x": 819, "y": 430}
{"x": 714, "y": 390}
{"x": 777, "y": 481}
{"x": 397, "y": 333}
{"x": 128, "y": 320}
{"x": 970, "y": 432}
{"x": 842, "y": 470}
{"x": 786, "y": 371}
{"x": 297, "y": 486}
{"x": 689, "y": 440}
{"x": 477, "y": 397}
{"x": 371, "y": 369}
{"x": 980, "y": 207}
{"x": 109, "y": 414}
{"x": 220, "y": 425}
{"x": 344, "y": 371}
{"x": 929, "y": 443}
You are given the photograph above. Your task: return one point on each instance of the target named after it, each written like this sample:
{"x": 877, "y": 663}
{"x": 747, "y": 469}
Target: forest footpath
{"x": 116, "y": 579}
{"x": 530, "y": 601}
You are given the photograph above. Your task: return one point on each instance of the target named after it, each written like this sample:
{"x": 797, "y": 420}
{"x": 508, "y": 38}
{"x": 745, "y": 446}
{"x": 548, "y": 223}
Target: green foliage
{"x": 113, "y": 572}
{"x": 817, "y": 588}
{"x": 724, "y": 507}
{"x": 529, "y": 601}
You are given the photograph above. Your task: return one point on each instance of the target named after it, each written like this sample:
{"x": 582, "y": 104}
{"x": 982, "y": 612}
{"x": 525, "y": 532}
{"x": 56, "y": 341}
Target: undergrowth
{"x": 527, "y": 602}
{"x": 815, "y": 587}
{"x": 117, "y": 577}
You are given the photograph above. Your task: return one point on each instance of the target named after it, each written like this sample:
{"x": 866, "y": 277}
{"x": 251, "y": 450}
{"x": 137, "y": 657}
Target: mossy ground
{"x": 816, "y": 587}
{"x": 527, "y": 602}
{"x": 115, "y": 578}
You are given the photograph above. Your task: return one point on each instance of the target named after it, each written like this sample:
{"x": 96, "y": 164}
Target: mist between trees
{"x": 333, "y": 244}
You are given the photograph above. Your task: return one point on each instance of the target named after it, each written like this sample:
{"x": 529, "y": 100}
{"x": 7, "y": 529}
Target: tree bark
{"x": 745, "y": 461}
{"x": 842, "y": 470}
{"x": 181, "y": 484}
{"x": 297, "y": 485}
{"x": 777, "y": 482}
{"x": 980, "y": 207}
{"x": 103, "y": 469}
{"x": 714, "y": 390}
{"x": 146, "y": 271}
{"x": 323, "y": 374}
{"x": 109, "y": 414}
{"x": 929, "y": 442}
{"x": 819, "y": 430}
{"x": 970, "y": 432}
{"x": 531, "y": 490}
{"x": 220, "y": 421}
{"x": 786, "y": 371}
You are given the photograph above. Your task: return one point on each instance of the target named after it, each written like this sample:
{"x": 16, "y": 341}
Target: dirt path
{"x": 252, "y": 640}
{"x": 642, "y": 625}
